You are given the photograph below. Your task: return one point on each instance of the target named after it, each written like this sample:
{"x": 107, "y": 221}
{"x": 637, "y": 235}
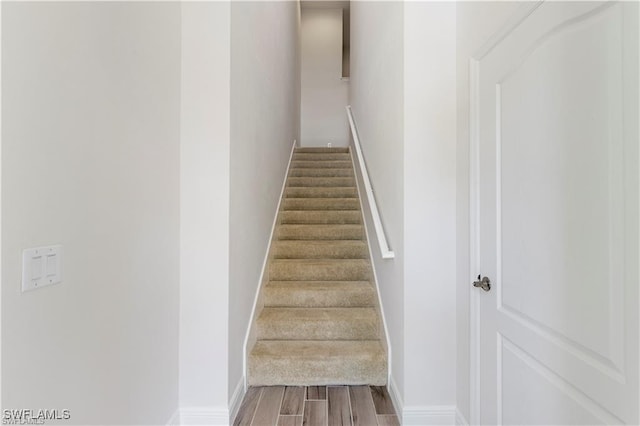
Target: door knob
{"x": 484, "y": 283}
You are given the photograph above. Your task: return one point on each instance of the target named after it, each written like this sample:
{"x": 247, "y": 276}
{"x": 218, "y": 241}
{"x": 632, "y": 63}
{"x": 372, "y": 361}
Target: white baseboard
{"x": 424, "y": 415}
{"x": 210, "y": 415}
{"x": 429, "y": 415}
{"x": 460, "y": 419}
{"x": 245, "y": 348}
{"x": 175, "y": 419}
{"x": 201, "y": 416}
{"x": 236, "y": 399}
{"x": 395, "y": 395}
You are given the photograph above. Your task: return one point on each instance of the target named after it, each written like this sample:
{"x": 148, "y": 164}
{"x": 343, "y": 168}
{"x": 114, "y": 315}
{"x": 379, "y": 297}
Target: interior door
{"x": 557, "y": 170}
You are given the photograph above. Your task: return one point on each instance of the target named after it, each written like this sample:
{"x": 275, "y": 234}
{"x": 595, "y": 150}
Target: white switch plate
{"x": 41, "y": 266}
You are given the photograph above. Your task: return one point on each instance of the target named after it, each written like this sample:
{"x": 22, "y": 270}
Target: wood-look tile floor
{"x": 317, "y": 406}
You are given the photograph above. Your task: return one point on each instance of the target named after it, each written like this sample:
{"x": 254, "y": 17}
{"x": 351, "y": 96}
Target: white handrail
{"x": 377, "y": 223}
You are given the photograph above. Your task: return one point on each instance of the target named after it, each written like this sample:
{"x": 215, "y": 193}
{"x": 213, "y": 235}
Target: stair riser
{"x": 314, "y": 182}
{"x": 321, "y": 204}
{"x": 320, "y": 232}
{"x": 304, "y": 250}
{"x": 329, "y": 371}
{"x": 321, "y": 192}
{"x": 321, "y": 217}
{"x": 330, "y": 156}
{"x": 306, "y": 172}
{"x": 336, "y": 164}
{"x": 323, "y": 272}
{"x": 301, "y": 297}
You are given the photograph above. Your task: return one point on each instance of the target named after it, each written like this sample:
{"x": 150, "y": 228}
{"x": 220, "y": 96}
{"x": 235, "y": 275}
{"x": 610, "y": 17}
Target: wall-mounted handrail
{"x": 386, "y": 252}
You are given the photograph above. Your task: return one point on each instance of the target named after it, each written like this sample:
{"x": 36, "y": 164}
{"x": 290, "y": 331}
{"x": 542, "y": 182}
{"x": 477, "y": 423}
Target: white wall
{"x": 140, "y": 170}
{"x": 90, "y": 160}
{"x": 265, "y": 102}
{"x": 240, "y": 116}
{"x": 403, "y": 97}
{"x": 204, "y": 206}
{"x": 1, "y": 406}
{"x": 476, "y": 22}
{"x": 430, "y": 203}
{"x": 377, "y": 102}
{"x": 324, "y": 93}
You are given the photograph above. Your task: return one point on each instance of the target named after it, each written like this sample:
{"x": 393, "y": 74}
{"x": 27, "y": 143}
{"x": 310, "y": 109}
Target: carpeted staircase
{"x": 320, "y": 321}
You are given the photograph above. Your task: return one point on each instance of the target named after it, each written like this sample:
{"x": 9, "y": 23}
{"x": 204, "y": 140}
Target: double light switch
{"x": 41, "y": 266}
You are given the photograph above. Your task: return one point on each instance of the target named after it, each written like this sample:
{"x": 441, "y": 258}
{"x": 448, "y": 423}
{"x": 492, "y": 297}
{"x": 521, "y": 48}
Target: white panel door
{"x": 557, "y": 197}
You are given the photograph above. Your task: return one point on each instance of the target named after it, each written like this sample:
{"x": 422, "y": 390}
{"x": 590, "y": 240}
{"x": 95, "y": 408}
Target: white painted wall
{"x": 204, "y": 206}
{"x": 265, "y": 105}
{"x": 403, "y": 97}
{"x": 133, "y": 142}
{"x": 429, "y": 203}
{"x": 90, "y": 160}
{"x": 376, "y": 95}
{"x": 324, "y": 93}
{"x": 0, "y": 207}
{"x": 476, "y": 22}
{"x": 240, "y": 115}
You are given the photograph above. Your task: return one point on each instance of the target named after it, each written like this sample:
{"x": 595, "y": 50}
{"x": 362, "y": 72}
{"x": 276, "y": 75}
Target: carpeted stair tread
{"x": 315, "y": 294}
{"x": 320, "y": 217}
{"x": 320, "y": 232}
{"x": 321, "y": 204}
{"x": 318, "y": 324}
{"x": 320, "y": 172}
{"x": 321, "y": 164}
{"x": 322, "y": 150}
{"x": 322, "y": 192}
{"x": 317, "y": 363}
{"x": 321, "y": 156}
{"x": 319, "y": 181}
{"x": 319, "y": 270}
{"x": 320, "y": 249}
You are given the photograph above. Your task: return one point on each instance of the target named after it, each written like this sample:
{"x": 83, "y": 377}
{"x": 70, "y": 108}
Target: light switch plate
{"x": 41, "y": 266}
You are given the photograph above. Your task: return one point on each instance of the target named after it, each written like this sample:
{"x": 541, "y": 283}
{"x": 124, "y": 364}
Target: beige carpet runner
{"x": 320, "y": 323}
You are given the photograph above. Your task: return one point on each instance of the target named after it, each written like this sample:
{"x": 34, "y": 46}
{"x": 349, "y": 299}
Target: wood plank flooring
{"x": 317, "y": 406}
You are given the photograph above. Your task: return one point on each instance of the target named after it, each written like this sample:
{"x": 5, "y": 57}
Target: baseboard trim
{"x": 236, "y": 399}
{"x": 175, "y": 419}
{"x": 392, "y": 388}
{"x": 365, "y": 220}
{"x": 201, "y": 416}
{"x": 460, "y": 419}
{"x": 252, "y": 317}
{"x": 424, "y": 415}
{"x": 429, "y": 415}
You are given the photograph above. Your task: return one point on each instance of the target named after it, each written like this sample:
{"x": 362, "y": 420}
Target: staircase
{"x": 320, "y": 322}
